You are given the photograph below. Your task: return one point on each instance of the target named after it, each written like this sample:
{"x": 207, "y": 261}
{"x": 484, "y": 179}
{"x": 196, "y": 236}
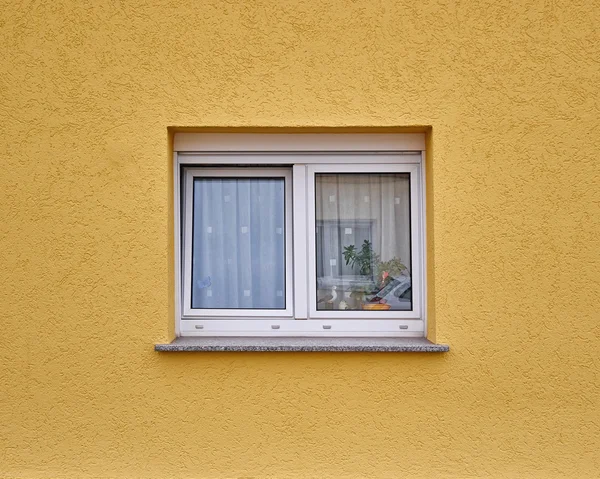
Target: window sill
{"x": 308, "y": 344}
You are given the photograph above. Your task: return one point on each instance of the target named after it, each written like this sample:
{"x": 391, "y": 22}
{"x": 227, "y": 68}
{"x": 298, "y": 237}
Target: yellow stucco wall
{"x": 88, "y": 91}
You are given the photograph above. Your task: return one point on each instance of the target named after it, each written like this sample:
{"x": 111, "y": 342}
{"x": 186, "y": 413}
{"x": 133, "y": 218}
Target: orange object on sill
{"x": 376, "y": 307}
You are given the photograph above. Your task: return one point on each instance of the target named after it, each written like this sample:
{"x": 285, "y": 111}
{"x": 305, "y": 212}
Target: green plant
{"x": 369, "y": 262}
{"x": 386, "y": 270}
{"x": 365, "y": 258}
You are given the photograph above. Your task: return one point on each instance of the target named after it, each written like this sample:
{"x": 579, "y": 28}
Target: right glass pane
{"x": 363, "y": 241}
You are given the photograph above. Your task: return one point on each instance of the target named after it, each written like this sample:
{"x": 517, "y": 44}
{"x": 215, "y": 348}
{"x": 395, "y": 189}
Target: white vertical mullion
{"x": 310, "y": 240}
{"x": 416, "y": 228}
{"x": 187, "y": 252}
{"x": 300, "y": 242}
{"x": 289, "y": 245}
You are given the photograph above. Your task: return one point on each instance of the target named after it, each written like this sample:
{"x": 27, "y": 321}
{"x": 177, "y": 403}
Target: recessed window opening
{"x": 301, "y": 243}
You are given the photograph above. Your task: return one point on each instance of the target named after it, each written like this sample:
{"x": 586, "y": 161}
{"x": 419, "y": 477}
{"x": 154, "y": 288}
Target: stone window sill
{"x": 309, "y": 344}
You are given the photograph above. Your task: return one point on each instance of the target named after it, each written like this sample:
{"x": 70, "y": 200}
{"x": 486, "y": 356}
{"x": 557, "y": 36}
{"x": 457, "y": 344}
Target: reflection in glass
{"x": 238, "y": 249}
{"x": 363, "y": 241}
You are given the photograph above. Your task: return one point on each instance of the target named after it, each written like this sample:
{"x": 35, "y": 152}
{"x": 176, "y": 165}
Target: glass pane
{"x": 363, "y": 242}
{"x": 238, "y": 247}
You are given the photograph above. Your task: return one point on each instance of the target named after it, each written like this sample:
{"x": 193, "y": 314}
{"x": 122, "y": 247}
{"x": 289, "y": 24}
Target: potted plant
{"x": 388, "y": 270}
{"x": 364, "y": 259}
{"x": 369, "y": 263}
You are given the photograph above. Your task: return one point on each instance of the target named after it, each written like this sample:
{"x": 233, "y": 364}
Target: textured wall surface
{"x": 88, "y": 90}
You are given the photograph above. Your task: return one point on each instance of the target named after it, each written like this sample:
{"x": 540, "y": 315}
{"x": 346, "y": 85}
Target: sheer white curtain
{"x": 238, "y": 250}
{"x": 352, "y": 208}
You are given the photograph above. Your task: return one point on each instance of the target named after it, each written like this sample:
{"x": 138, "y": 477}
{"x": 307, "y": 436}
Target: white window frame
{"x": 303, "y": 155}
{"x": 413, "y": 170}
{"x": 190, "y": 175}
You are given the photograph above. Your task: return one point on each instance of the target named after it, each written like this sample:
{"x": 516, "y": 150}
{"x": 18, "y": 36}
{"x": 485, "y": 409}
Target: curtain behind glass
{"x": 238, "y": 249}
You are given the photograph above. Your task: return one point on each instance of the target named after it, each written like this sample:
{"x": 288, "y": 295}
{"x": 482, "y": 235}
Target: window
{"x": 238, "y": 242}
{"x": 300, "y": 235}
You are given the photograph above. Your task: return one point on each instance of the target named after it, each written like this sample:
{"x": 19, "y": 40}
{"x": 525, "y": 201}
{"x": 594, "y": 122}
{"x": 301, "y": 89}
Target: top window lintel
{"x": 308, "y": 142}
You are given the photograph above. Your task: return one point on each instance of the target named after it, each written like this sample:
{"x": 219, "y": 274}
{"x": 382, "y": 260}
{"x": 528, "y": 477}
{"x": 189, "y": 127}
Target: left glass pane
{"x": 238, "y": 243}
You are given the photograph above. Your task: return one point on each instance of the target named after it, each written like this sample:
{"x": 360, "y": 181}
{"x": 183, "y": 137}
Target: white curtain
{"x": 238, "y": 250}
{"x": 352, "y": 208}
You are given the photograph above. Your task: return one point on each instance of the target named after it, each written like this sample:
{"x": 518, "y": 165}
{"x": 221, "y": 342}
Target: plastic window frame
{"x": 416, "y": 250}
{"x": 300, "y": 318}
{"x": 190, "y": 175}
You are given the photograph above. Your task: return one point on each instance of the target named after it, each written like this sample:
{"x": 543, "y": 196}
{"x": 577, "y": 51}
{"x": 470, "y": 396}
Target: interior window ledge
{"x": 305, "y": 344}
